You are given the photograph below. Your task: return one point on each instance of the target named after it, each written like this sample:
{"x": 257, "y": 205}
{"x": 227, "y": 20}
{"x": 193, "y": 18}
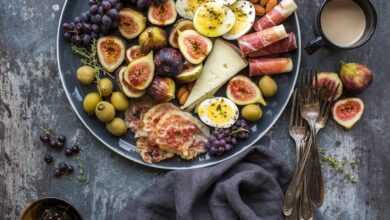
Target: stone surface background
{"x": 31, "y": 98}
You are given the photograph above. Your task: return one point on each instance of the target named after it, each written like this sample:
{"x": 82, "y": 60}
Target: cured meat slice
{"x": 255, "y": 41}
{"x": 262, "y": 66}
{"x": 277, "y": 15}
{"x": 150, "y": 152}
{"x": 283, "y": 46}
{"x": 135, "y": 112}
{"x": 152, "y": 117}
{"x": 176, "y": 132}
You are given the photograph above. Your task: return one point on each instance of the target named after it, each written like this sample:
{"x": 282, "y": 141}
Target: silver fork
{"x": 298, "y": 132}
{"x": 314, "y": 173}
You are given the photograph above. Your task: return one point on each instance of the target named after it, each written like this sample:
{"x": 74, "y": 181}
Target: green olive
{"x": 252, "y": 112}
{"x": 105, "y": 111}
{"x": 85, "y": 74}
{"x": 268, "y": 86}
{"x": 105, "y": 86}
{"x": 90, "y": 102}
{"x": 117, "y": 127}
{"x": 119, "y": 101}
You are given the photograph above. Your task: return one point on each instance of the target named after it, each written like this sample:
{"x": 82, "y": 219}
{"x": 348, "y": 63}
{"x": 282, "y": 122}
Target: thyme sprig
{"x": 89, "y": 56}
{"x": 340, "y": 166}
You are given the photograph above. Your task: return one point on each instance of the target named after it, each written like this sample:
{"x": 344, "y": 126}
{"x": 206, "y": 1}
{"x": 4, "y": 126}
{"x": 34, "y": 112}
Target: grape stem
{"x": 239, "y": 130}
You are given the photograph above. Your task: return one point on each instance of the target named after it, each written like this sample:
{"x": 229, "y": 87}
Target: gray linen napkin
{"x": 249, "y": 186}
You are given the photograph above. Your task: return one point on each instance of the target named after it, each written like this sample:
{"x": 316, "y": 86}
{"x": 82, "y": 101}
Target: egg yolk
{"x": 241, "y": 18}
{"x": 218, "y": 112}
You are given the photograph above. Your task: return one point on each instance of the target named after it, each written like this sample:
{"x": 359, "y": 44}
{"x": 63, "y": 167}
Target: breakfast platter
{"x": 179, "y": 84}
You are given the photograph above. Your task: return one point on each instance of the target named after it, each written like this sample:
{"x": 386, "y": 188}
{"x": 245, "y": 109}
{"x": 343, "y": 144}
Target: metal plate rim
{"x": 244, "y": 148}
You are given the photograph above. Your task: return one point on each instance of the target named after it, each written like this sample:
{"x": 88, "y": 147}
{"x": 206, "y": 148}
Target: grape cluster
{"x": 224, "y": 139}
{"x": 101, "y": 17}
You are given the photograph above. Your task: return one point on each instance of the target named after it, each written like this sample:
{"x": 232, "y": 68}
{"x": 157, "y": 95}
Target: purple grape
{"x": 96, "y": 19}
{"x": 95, "y": 28}
{"x": 86, "y": 27}
{"x": 113, "y": 13}
{"x": 79, "y": 26}
{"x": 85, "y": 16}
{"x": 94, "y": 35}
{"x": 93, "y": 9}
{"x": 67, "y": 36}
{"x": 113, "y": 2}
{"x": 100, "y": 10}
{"x": 106, "y": 5}
{"x": 67, "y": 26}
{"x": 142, "y": 4}
{"x": 106, "y": 20}
{"x": 77, "y": 19}
{"x": 92, "y": 2}
{"x": 86, "y": 39}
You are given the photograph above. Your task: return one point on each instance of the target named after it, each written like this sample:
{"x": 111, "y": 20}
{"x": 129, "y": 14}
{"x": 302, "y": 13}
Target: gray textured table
{"x": 31, "y": 97}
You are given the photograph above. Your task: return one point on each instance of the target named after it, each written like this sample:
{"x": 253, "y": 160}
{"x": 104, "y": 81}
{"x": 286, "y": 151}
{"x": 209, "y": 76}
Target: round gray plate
{"x": 68, "y": 64}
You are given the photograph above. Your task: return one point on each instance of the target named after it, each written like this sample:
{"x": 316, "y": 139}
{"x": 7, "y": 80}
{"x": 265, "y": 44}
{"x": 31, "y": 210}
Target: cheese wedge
{"x": 222, "y": 64}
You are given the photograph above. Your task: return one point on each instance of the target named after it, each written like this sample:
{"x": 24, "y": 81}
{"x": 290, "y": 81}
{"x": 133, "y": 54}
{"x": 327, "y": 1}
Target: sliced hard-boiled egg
{"x": 245, "y": 14}
{"x": 226, "y": 2}
{"x": 218, "y": 112}
{"x": 213, "y": 19}
{"x": 187, "y": 8}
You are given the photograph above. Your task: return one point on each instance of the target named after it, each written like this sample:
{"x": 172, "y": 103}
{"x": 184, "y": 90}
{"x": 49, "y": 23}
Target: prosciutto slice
{"x": 283, "y": 46}
{"x": 258, "y": 40}
{"x": 263, "y": 66}
{"x": 277, "y": 15}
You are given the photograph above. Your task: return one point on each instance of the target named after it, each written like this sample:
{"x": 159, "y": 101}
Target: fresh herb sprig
{"x": 89, "y": 56}
{"x": 340, "y": 166}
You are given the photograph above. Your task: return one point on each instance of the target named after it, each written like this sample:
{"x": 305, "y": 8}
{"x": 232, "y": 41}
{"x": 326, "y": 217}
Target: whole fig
{"x": 169, "y": 62}
{"x": 162, "y": 89}
{"x": 355, "y": 77}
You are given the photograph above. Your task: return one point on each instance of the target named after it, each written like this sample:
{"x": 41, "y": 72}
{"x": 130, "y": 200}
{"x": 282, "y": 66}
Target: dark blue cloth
{"x": 249, "y": 186}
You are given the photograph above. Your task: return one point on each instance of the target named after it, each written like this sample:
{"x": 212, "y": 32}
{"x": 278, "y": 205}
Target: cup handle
{"x": 314, "y": 45}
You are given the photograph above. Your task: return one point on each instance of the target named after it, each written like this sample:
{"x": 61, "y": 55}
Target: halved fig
{"x": 162, "y": 89}
{"x": 346, "y": 112}
{"x": 180, "y": 25}
{"x": 140, "y": 72}
{"x": 190, "y": 73}
{"x": 328, "y": 80}
{"x": 194, "y": 46}
{"x": 131, "y": 23}
{"x": 124, "y": 86}
{"x": 134, "y": 52}
{"x": 111, "y": 52}
{"x": 242, "y": 91}
{"x": 162, "y": 14}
